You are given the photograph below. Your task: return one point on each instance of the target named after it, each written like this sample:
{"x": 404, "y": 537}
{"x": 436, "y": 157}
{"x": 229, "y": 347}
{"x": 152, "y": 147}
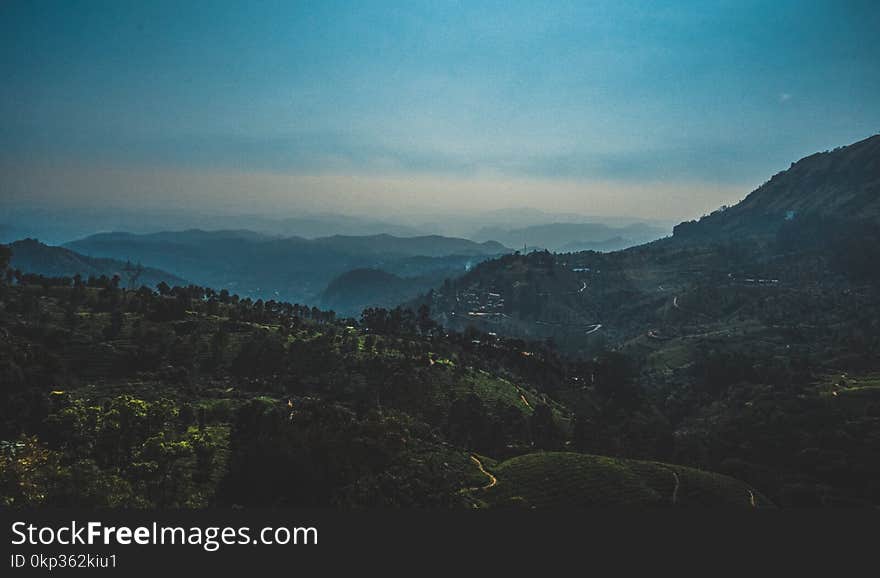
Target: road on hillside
{"x": 492, "y": 479}
{"x": 677, "y": 484}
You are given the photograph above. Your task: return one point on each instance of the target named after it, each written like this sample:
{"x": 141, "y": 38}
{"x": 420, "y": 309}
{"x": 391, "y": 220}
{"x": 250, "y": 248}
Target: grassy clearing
{"x": 845, "y": 386}
{"x": 670, "y": 357}
{"x": 493, "y": 389}
{"x": 566, "y": 480}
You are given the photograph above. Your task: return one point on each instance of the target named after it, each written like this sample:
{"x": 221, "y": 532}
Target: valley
{"x": 746, "y": 345}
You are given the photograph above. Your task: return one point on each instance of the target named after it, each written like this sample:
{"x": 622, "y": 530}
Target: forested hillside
{"x": 188, "y": 397}
{"x": 31, "y": 256}
{"x": 755, "y": 331}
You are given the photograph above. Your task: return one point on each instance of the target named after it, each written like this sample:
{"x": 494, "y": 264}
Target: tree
{"x": 545, "y": 433}
{"x": 5, "y": 256}
{"x": 219, "y": 342}
{"x": 467, "y": 423}
{"x": 117, "y": 320}
{"x": 29, "y": 472}
{"x": 425, "y": 323}
{"x": 615, "y": 379}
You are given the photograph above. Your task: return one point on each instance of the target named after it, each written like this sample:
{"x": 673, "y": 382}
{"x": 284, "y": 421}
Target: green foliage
{"x": 29, "y": 472}
{"x": 567, "y": 480}
{"x": 190, "y": 398}
{"x": 130, "y": 452}
{"x": 5, "y": 254}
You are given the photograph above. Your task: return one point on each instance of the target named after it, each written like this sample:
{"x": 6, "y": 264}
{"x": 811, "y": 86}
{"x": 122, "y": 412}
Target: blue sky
{"x": 611, "y": 107}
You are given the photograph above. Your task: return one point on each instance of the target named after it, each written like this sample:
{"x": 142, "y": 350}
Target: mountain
{"x": 817, "y": 222}
{"x": 325, "y": 225}
{"x": 189, "y": 237}
{"x": 756, "y": 327}
{"x": 31, "y": 256}
{"x": 842, "y": 185}
{"x": 289, "y": 268}
{"x": 426, "y": 246}
{"x": 354, "y": 291}
{"x": 575, "y": 236}
{"x": 58, "y": 225}
{"x": 605, "y": 246}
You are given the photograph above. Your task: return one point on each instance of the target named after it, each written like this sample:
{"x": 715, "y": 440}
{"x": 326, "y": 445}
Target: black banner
{"x": 127, "y": 542}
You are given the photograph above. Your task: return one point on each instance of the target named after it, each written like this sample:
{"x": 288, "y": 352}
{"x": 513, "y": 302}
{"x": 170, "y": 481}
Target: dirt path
{"x": 492, "y": 479}
{"x": 677, "y": 484}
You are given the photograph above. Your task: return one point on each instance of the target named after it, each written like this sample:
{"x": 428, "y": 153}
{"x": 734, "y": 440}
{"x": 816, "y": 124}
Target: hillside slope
{"x": 560, "y": 480}
{"x": 575, "y": 236}
{"x": 194, "y": 399}
{"x": 746, "y": 330}
{"x": 354, "y": 291}
{"x": 843, "y": 184}
{"x": 811, "y": 229}
{"x": 31, "y": 256}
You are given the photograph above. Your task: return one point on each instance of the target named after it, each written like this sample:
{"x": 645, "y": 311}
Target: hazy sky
{"x": 643, "y": 108}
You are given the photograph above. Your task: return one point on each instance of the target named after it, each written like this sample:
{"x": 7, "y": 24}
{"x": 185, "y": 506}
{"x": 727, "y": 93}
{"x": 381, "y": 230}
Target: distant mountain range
{"x": 425, "y": 246}
{"x": 31, "y": 256}
{"x": 55, "y": 225}
{"x": 291, "y": 268}
{"x": 566, "y": 237}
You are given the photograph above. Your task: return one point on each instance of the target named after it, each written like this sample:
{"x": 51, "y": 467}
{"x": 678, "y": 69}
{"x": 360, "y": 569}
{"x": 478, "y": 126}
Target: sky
{"x": 648, "y": 109}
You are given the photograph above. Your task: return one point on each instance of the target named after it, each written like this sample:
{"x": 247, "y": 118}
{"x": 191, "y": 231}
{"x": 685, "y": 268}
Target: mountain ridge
{"x": 291, "y": 268}
{"x": 32, "y": 256}
{"x": 843, "y": 183}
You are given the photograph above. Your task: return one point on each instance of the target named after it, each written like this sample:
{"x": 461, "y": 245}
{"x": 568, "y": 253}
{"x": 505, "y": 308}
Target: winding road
{"x": 677, "y": 484}
{"x": 492, "y": 479}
